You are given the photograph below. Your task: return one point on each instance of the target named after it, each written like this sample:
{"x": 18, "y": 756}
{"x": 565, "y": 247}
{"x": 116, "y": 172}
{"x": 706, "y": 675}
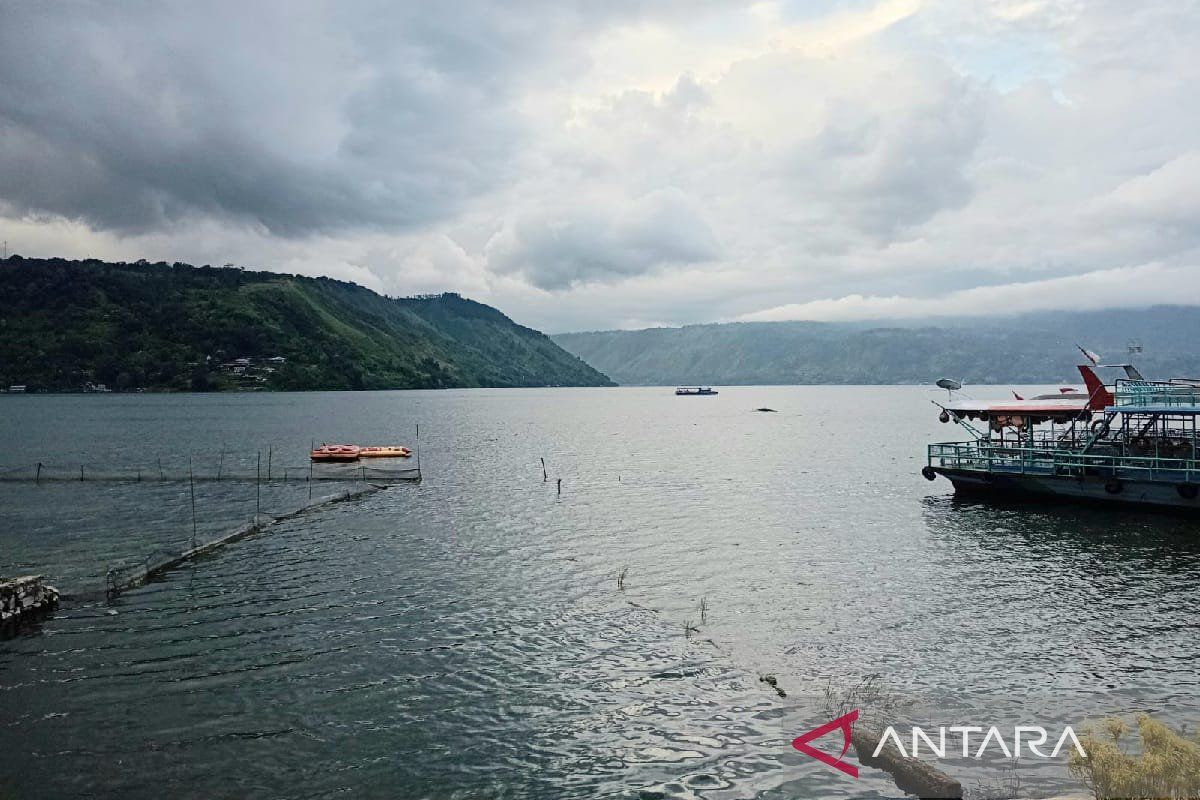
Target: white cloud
{"x": 1127, "y": 287}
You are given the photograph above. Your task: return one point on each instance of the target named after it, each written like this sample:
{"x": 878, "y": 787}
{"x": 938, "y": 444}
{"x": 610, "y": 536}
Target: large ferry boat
{"x": 1135, "y": 442}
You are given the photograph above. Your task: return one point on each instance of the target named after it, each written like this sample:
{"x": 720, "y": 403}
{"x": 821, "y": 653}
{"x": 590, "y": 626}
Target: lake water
{"x": 466, "y": 636}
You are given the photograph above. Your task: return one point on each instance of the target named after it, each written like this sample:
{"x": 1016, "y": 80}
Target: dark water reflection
{"x": 466, "y": 638}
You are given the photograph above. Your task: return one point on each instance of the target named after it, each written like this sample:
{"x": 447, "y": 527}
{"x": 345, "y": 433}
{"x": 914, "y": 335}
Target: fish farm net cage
{"x": 157, "y": 472}
{"x": 98, "y": 527}
{"x": 117, "y": 529}
{"x": 130, "y": 573}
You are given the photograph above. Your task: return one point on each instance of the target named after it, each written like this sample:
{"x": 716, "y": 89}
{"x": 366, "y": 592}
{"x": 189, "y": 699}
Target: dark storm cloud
{"x": 294, "y": 117}
{"x": 646, "y": 162}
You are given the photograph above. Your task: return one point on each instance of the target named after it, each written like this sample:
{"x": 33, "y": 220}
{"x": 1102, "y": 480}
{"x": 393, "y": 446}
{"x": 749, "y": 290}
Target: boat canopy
{"x": 1066, "y": 406}
{"x": 1023, "y": 412}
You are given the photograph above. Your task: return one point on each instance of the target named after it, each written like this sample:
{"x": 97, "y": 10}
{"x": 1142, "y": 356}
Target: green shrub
{"x": 1167, "y": 766}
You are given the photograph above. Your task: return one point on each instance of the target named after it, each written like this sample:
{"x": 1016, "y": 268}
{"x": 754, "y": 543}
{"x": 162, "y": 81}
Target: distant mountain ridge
{"x": 65, "y": 325}
{"x": 1026, "y": 348}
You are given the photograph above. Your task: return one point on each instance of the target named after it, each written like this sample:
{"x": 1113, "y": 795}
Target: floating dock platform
{"x": 25, "y": 597}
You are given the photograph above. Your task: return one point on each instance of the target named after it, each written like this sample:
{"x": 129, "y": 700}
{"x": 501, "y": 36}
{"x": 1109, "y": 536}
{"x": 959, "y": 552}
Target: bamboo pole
{"x": 192, "y": 486}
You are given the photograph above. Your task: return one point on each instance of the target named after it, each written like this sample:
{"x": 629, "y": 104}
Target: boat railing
{"x": 1046, "y": 438}
{"x": 1165, "y": 441}
{"x": 1130, "y": 393}
{"x": 983, "y": 457}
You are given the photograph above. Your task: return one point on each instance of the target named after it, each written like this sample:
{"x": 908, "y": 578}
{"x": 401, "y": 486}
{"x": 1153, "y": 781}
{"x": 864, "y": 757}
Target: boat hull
{"x": 1098, "y": 489}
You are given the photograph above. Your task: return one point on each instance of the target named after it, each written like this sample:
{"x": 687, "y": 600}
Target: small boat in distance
{"x": 335, "y": 453}
{"x": 689, "y": 391}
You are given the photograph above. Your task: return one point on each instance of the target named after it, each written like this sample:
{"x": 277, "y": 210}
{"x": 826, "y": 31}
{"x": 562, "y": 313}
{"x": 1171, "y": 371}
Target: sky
{"x": 584, "y": 165}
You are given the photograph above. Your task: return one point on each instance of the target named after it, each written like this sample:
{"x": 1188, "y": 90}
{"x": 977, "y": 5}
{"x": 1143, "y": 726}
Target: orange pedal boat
{"x": 384, "y": 452}
{"x": 336, "y": 452}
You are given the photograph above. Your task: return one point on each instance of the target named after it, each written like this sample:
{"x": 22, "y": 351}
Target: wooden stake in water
{"x": 192, "y": 486}
{"x": 258, "y": 488}
{"x": 161, "y": 477}
{"x": 560, "y": 485}
{"x": 38, "y": 477}
{"x": 545, "y": 477}
{"x": 417, "y": 445}
{"x": 221, "y": 463}
{"x": 270, "y": 452}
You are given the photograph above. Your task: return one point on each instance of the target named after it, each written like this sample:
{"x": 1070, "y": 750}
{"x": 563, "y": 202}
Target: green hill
{"x": 1027, "y": 348}
{"x": 65, "y": 324}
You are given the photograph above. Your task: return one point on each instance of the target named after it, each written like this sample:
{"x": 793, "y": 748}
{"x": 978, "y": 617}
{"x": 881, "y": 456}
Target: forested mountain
{"x": 67, "y": 324}
{"x": 1028, "y": 348}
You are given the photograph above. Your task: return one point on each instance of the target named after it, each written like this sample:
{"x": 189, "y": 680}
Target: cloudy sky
{"x": 586, "y": 165}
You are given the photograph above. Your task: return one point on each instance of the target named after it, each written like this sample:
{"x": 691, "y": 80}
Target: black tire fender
{"x": 1114, "y": 486}
{"x": 928, "y": 473}
{"x": 1188, "y": 491}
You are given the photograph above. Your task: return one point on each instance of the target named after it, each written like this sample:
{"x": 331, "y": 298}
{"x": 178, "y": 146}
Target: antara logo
{"x": 842, "y": 723}
{"x": 1024, "y": 738}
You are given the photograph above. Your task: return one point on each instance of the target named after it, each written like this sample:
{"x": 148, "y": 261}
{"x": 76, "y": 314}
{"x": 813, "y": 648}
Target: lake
{"x": 468, "y": 637}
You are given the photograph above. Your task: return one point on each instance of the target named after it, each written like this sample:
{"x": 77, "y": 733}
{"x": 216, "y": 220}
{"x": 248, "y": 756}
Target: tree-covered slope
{"x": 1029, "y": 348}
{"x": 64, "y": 324}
